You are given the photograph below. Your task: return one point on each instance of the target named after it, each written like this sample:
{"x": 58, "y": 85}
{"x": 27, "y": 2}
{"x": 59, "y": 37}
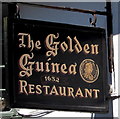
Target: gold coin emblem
{"x": 89, "y": 70}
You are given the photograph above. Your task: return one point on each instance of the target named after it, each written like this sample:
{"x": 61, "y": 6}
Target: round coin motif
{"x": 89, "y": 71}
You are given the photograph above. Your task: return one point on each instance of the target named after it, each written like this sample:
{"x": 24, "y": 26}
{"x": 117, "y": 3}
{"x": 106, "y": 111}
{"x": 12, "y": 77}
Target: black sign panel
{"x": 57, "y": 66}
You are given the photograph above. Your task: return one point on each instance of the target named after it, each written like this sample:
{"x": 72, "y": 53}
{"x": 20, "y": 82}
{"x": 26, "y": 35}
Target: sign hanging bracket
{"x": 94, "y": 20}
{"x": 17, "y": 14}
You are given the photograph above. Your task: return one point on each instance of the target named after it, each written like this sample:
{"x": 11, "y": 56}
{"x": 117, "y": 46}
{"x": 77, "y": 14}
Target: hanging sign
{"x": 57, "y": 66}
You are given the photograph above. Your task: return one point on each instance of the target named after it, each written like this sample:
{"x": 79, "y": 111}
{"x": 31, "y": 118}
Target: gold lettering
{"x": 96, "y": 93}
{"x": 46, "y": 89}
{"x": 38, "y": 89}
{"x": 79, "y": 93}
{"x": 63, "y": 68}
{"x": 78, "y": 47}
{"x": 23, "y": 61}
{"x": 38, "y": 45}
{"x": 30, "y": 43}
{"x": 70, "y": 92}
{"x": 31, "y": 88}
{"x": 23, "y": 85}
{"x": 27, "y": 89}
{"x": 51, "y": 45}
{"x": 47, "y": 67}
{"x": 94, "y": 49}
{"x": 22, "y": 39}
{"x": 72, "y": 69}
{"x": 64, "y": 46}
{"x": 39, "y": 66}
{"x": 54, "y": 91}
{"x": 70, "y": 44}
{"x": 88, "y": 92}
{"x": 62, "y": 91}
{"x": 53, "y": 67}
{"x": 86, "y": 48}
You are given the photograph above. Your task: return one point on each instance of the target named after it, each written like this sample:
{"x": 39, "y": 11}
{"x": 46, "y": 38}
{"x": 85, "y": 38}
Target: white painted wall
{"x": 116, "y": 92}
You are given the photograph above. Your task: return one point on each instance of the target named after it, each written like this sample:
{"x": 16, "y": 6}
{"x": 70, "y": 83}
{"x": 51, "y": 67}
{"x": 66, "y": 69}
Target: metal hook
{"x": 17, "y": 14}
{"x": 94, "y": 20}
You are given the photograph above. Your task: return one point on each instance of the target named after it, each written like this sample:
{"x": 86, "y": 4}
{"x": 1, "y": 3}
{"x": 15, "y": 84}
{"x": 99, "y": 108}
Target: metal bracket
{"x": 17, "y": 14}
{"x": 94, "y": 20}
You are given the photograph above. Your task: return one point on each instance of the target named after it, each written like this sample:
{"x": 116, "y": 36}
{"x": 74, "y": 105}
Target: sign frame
{"x": 9, "y": 59}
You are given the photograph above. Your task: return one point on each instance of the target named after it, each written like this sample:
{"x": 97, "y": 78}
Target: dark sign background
{"x": 39, "y": 30}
